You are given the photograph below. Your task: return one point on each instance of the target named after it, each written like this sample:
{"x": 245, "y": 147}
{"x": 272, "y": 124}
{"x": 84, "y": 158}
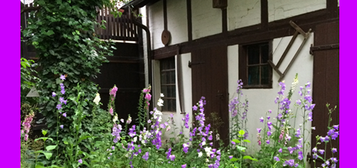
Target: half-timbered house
{"x": 203, "y": 47}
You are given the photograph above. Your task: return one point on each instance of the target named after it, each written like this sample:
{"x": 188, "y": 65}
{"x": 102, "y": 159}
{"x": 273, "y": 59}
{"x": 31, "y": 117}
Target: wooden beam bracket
{"x": 298, "y": 31}
{"x": 323, "y": 47}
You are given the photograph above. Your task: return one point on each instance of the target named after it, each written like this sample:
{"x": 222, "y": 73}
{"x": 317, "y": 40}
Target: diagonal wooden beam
{"x": 297, "y": 32}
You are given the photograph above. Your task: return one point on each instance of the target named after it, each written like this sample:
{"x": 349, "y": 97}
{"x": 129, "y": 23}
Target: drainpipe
{"x": 148, "y": 43}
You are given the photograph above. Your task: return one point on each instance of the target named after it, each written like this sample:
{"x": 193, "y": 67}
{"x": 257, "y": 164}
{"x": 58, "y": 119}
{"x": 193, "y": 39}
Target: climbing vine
{"x": 63, "y": 34}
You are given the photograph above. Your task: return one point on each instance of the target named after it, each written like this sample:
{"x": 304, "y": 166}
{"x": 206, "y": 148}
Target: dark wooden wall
{"x": 325, "y": 81}
{"x": 210, "y": 79}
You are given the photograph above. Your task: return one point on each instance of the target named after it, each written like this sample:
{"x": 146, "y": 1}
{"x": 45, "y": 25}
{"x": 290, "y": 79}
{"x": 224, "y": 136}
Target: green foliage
{"x": 28, "y": 81}
{"x": 239, "y": 162}
{"x": 63, "y": 35}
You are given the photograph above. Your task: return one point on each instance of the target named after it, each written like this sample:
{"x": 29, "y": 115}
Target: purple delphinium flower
{"x": 314, "y": 156}
{"x": 116, "y": 132}
{"x": 333, "y": 159}
{"x": 322, "y": 139}
{"x": 334, "y": 150}
{"x": 232, "y": 106}
{"x": 308, "y": 84}
{"x": 259, "y": 129}
{"x": 298, "y": 133}
{"x": 279, "y": 116}
{"x": 59, "y": 106}
{"x": 285, "y": 105}
{"x": 146, "y": 156}
{"x": 276, "y": 158}
{"x": 230, "y": 157}
{"x": 314, "y": 150}
{"x": 335, "y": 127}
{"x": 132, "y": 131}
{"x": 186, "y": 119}
{"x": 298, "y": 102}
{"x": 64, "y": 115}
{"x": 168, "y": 153}
{"x": 53, "y": 94}
{"x": 280, "y": 150}
{"x": 334, "y": 136}
{"x": 289, "y": 162}
{"x": 291, "y": 150}
{"x": 63, "y": 77}
{"x": 172, "y": 157}
{"x": 261, "y": 119}
{"x": 210, "y": 137}
{"x": 80, "y": 161}
{"x": 268, "y": 141}
{"x": 61, "y": 126}
{"x": 281, "y": 92}
{"x": 321, "y": 151}
{"x": 63, "y": 91}
{"x": 185, "y": 148}
{"x": 300, "y": 155}
{"x": 327, "y": 162}
{"x": 268, "y": 133}
{"x": 268, "y": 117}
{"x": 310, "y": 116}
{"x": 308, "y": 98}
{"x": 183, "y": 166}
{"x": 330, "y": 132}
{"x": 245, "y": 136}
{"x": 194, "y": 108}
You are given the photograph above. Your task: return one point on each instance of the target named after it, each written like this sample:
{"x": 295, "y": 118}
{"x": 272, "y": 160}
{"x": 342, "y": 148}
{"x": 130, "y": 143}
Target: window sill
{"x": 257, "y": 87}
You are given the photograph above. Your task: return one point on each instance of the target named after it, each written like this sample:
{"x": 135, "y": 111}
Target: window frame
{"x": 243, "y": 65}
{"x": 166, "y": 98}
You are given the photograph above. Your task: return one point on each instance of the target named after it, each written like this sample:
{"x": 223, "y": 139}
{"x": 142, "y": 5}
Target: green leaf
{"x": 250, "y": 158}
{"x": 39, "y": 165}
{"x": 48, "y": 155}
{"x": 234, "y": 159}
{"x": 50, "y": 147}
{"x": 246, "y": 140}
{"x": 83, "y": 138}
{"x": 236, "y": 141}
{"x": 49, "y": 33}
{"x": 44, "y": 132}
{"x": 241, "y": 148}
{"x": 65, "y": 142}
{"x": 43, "y": 138}
{"x": 52, "y": 52}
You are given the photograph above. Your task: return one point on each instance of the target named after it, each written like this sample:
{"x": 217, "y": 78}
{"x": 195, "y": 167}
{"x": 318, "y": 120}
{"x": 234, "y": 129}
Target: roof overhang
{"x": 139, "y": 3}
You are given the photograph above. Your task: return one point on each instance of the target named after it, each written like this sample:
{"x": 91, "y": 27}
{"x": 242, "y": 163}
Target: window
{"x": 254, "y": 69}
{"x": 168, "y": 83}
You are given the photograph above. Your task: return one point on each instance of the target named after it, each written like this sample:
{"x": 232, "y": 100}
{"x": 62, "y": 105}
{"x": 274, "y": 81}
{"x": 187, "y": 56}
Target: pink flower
{"x": 27, "y": 124}
{"x": 26, "y": 137}
{"x": 148, "y": 96}
{"x": 113, "y": 91}
{"x": 281, "y": 135}
{"x": 111, "y": 110}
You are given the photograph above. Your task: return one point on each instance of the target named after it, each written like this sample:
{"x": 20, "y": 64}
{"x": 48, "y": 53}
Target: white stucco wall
{"x": 177, "y": 21}
{"x": 206, "y": 20}
{"x": 280, "y": 9}
{"x": 156, "y": 24}
{"x": 262, "y": 100}
{"x": 242, "y": 13}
